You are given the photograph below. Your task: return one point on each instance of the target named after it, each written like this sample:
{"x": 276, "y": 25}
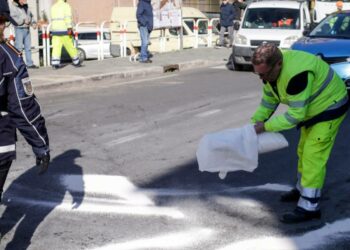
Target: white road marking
{"x": 219, "y": 67}
{"x": 208, "y": 113}
{"x": 310, "y": 240}
{"x": 104, "y": 206}
{"x": 115, "y": 186}
{"x": 55, "y": 116}
{"x": 125, "y": 139}
{"x": 179, "y": 240}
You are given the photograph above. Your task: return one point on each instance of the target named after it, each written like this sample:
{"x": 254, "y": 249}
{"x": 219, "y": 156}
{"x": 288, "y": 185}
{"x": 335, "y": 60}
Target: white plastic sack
{"x": 269, "y": 141}
{"x": 236, "y": 149}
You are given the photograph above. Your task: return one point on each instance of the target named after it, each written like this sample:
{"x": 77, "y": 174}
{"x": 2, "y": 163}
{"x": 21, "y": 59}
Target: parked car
{"x": 330, "y": 40}
{"x": 88, "y": 44}
{"x": 278, "y": 22}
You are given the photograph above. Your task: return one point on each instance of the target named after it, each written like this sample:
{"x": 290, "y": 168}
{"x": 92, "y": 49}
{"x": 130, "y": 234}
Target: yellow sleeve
{"x": 267, "y": 107}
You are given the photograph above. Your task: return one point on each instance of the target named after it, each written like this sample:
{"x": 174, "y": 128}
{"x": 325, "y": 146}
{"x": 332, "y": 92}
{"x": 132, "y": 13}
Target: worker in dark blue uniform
{"x": 18, "y": 107}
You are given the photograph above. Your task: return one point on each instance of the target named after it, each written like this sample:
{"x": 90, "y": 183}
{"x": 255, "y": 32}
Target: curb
{"x": 132, "y": 74}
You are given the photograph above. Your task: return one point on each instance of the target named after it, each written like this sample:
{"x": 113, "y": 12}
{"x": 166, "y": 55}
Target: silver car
{"x": 88, "y": 44}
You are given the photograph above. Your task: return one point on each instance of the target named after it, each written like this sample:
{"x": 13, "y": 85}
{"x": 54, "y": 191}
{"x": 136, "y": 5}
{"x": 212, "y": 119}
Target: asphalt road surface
{"x": 124, "y": 173}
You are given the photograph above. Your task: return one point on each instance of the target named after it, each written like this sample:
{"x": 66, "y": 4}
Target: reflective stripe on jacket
{"x": 61, "y": 18}
{"x": 324, "y": 90}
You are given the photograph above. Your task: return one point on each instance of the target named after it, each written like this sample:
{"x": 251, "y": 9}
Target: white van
{"x": 278, "y": 22}
{"x": 170, "y": 37}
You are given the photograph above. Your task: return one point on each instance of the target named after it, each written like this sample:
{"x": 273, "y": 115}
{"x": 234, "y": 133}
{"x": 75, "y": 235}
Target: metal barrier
{"x": 210, "y": 31}
{"x": 195, "y": 29}
{"x": 197, "y": 35}
{"x": 48, "y": 45}
{"x": 76, "y": 33}
{"x": 123, "y": 38}
{"x": 45, "y": 36}
{"x": 122, "y": 35}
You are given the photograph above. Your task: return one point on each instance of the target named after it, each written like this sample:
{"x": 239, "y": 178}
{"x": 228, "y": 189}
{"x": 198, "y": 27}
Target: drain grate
{"x": 170, "y": 68}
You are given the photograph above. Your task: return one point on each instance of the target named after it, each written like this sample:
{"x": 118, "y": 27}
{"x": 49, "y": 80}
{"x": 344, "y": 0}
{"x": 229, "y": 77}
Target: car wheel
{"x": 81, "y": 55}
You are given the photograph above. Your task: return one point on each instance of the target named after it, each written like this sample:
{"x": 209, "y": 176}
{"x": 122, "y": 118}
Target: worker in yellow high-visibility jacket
{"x": 317, "y": 102}
{"x": 62, "y": 31}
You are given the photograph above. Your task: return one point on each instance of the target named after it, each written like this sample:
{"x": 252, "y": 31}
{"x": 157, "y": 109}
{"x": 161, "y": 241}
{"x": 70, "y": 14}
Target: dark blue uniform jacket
{"x": 227, "y": 15}
{"x": 18, "y": 106}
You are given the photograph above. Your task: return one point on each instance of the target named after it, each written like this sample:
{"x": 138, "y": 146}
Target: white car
{"x": 278, "y": 22}
{"x": 88, "y": 44}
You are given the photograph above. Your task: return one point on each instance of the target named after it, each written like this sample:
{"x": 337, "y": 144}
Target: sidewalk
{"x": 122, "y": 68}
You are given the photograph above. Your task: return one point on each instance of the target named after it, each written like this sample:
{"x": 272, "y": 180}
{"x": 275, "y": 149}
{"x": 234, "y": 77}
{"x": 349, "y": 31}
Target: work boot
{"x": 290, "y": 196}
{"x": 300, "y": 215}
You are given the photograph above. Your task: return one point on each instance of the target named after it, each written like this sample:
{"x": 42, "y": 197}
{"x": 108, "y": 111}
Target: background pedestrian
{"x": 227, "y": 16}
{"x": 20, "y": 12}
{"x": 62, "y": 33}
{"x": 144, "y": 15}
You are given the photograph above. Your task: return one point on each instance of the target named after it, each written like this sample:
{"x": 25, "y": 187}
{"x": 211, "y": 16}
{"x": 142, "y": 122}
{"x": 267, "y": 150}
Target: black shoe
{"x": 32, "y": 67}
{"x": 290, "y": 196}
{"x": 146, "y": 61}
{"x": 300, "y": 215}
{"x": 77, "y": 65}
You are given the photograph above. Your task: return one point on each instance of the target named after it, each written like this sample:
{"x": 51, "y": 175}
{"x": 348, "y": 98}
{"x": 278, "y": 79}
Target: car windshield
{"x": 335, "y": 25}
{"x": 271, "y": 18}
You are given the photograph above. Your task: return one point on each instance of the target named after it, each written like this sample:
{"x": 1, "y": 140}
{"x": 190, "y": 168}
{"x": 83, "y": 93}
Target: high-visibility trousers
{"x": 67, "y": 42}
{"x": 315, "y": 146}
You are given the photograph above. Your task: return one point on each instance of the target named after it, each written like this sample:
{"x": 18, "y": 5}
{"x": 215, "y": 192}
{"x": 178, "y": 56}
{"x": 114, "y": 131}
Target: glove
{"x": 43, "y": 163}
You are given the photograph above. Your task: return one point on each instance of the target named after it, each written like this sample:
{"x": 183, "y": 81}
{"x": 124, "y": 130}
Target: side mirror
{"x": 306, "y": 32}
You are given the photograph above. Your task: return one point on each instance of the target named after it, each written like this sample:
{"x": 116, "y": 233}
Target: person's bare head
{"x": 267, "y": 61}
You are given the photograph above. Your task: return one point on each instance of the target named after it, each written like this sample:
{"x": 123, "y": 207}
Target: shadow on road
{"x": 30, "y": 198}
{"x": 278, "y": 167}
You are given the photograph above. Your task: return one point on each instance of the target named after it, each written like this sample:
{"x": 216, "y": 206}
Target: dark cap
{"x": 5, "y": 12}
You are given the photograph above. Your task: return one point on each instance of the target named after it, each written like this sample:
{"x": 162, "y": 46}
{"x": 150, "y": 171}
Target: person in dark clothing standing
{"x": 227, "y": 15}
{"x": 19, "y": 107}
{"x": 144, "y": 15}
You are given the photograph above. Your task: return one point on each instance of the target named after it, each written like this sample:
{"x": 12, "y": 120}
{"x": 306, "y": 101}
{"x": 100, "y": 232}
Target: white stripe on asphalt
{"x": 208, "y": 113}
{"x": 219, "y": 67}
{"x": 103, "y": 206}
{"x": 310, "y": 240}
{"x": 125, "y": 139}
{"x": 180, "y": 240}
{"x": 116, "y": 186}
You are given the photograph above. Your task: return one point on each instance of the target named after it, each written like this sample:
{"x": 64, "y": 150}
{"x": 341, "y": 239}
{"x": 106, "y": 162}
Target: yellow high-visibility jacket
{"x": 61, "y": 18}
{"x": 307, "y": 85}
